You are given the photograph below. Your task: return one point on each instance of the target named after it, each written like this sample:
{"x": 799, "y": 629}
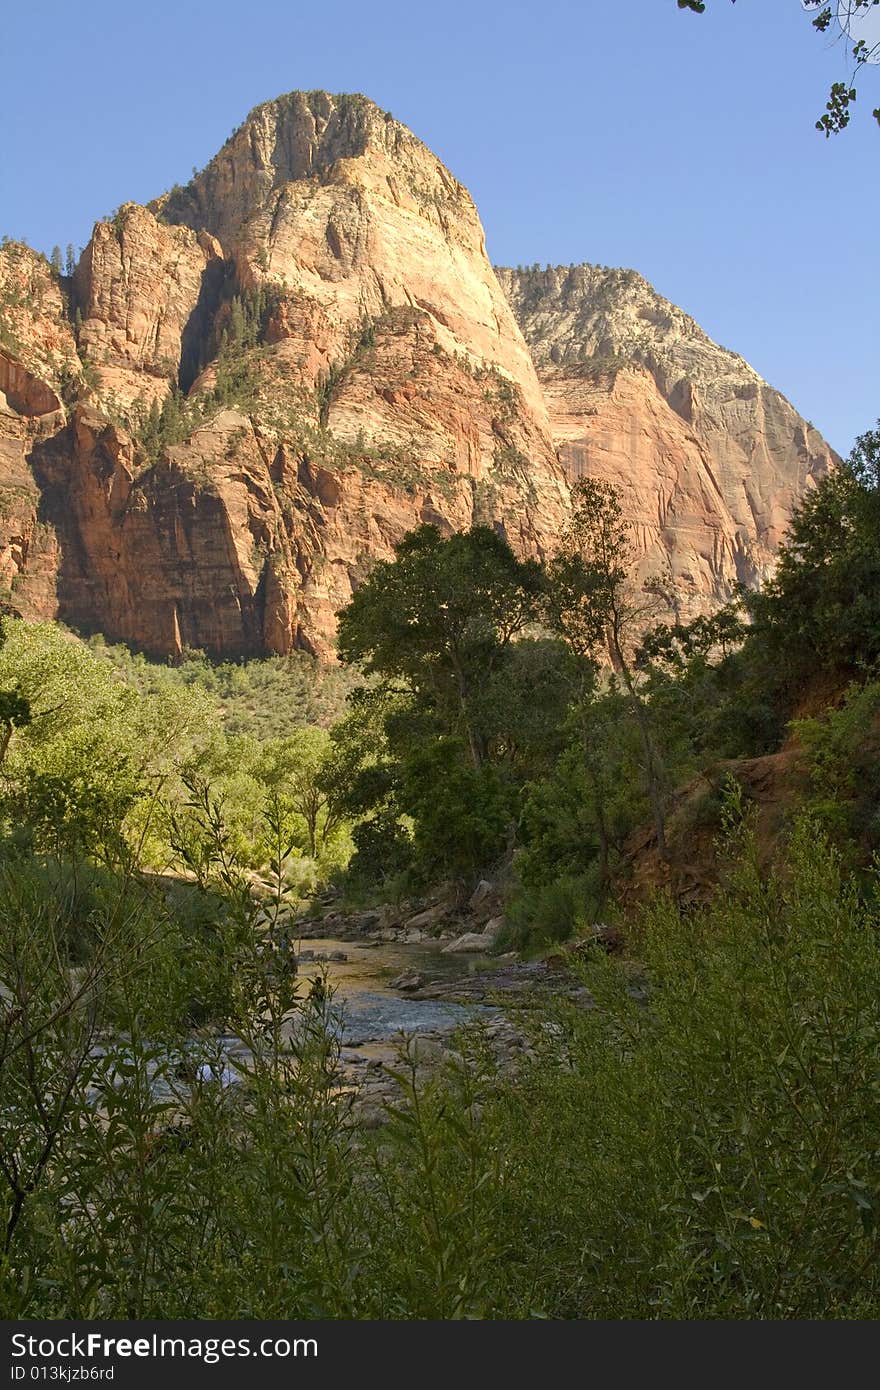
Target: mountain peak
{"x": 296, "y": 137}
{"x": 352, "y": 368}
{"x": 587, "y": 313}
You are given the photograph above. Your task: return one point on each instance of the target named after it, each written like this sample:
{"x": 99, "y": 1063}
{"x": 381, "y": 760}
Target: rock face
{"x": 38, "y": 358}
{"x": 253, "y": 388}
{"x": 710, "y": 460}
{"x": 145, "y": 294}
{"x": 351, "y": 216}
{"x": 37, "y": 348}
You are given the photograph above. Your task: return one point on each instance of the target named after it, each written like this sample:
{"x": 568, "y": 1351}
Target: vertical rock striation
{"x": 710, "y": 460}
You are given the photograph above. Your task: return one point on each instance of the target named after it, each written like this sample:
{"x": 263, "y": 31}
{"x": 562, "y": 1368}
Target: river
{"x": 373, "y": 1012}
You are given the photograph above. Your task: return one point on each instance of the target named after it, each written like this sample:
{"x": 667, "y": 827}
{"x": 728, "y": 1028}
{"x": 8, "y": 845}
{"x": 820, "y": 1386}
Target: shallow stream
{"x": 371, "y": 1011}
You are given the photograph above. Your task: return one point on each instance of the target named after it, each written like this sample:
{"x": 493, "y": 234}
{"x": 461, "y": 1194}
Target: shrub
{"x": 709, "y": 1147}
{"x": 546, "y": 913}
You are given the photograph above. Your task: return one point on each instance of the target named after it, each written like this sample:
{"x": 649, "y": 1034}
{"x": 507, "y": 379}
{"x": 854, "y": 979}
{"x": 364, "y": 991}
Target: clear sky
{"x": 624, "y": 132}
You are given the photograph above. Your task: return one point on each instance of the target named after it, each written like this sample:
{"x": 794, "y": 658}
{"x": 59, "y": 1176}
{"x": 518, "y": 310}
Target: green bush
{"x": 709, "y": 1148}
{"x": 382, "y": 850}
{"x": 542, "y": 914}
{"x": 701, "y": 1143}
{"x": 843, "y": 752}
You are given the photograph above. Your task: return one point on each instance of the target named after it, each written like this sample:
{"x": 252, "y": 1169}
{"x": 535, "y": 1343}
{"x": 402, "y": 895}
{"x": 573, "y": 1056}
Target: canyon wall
{"x": 251, "y": 389}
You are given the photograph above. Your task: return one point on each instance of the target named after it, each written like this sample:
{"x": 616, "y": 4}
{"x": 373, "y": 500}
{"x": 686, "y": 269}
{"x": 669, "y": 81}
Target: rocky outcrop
{"x": 709, "y": 459}
{"x": 350, "y": 367}
{"x": 38, "y": 361}
{"x": 347, "y": 215}
{"x": 234, "y": 542}
{"x": 146, "y": 294}
{"x": 37, "y": 348}
{"x": 29, "y": 551}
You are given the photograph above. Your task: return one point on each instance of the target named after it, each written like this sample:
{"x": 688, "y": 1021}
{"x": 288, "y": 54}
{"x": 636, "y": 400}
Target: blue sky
{"x": 624, "y": 132}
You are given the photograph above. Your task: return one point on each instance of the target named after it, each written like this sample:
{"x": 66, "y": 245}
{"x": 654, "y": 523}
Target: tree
{"x": 15, "y": 713}
{"x": 299, "y": 769}
{"x": 579, "y": 815}
{"x": 362, "y": 775}
{"x": 590, "y": 601}
{"x": 56, "y": 262}
{"x": 858, "y": 24}
{"x": 441, "y": 618}
{"x": 821, "y": 609}
{"x": 468, "y": 707}
{"x": 70, "y": 260}
{"x": 88, "y": 751}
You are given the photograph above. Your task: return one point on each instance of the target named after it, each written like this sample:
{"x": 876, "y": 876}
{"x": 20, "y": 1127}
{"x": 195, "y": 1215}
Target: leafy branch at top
{"x": 837, "y": 114}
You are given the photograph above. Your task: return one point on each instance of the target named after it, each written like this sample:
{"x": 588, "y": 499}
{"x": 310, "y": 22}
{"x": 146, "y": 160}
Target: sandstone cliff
{"x": 710, "y": 460}
{"x": 251, "y": 389}
{"x": 349, "y": 215}
{"x": 145, "y": 295}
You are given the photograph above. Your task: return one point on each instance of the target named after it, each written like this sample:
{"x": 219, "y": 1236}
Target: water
{"x": 365, "y": 1014}
{"x": 373, "y": 1012}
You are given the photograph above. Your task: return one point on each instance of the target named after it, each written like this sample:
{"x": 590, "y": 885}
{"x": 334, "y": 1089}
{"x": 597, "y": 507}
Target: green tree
{"x": 578, "y": 816}
{"x": 299, "y": 769}
{"x": 591, "y": 601}
{"x": 821, "y": 609}
{"x": 91, "y": 758}
{"x": 441, "y": 617}
{"x": 15, "y": 713}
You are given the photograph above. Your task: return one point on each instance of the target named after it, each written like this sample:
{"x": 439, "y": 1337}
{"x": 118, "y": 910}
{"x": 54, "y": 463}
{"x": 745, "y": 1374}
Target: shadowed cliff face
{"x": 352, "y": 367}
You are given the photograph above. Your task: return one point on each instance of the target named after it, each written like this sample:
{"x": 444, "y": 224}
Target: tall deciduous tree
{"x": 822, "y": 606}
{"x": 591, "y": 601}
{"x": 441, "y": 618}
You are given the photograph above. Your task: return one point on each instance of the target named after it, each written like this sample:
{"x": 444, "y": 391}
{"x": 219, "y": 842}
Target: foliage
{"x": 708, "y": 1150}
{"x": 699, "y": 1142}
{"x": 540, "y": 915}
{"x": 590, "y": 601}
{"x": 836, "y": 116}
{"x": 843, "y": 751}
{"x": 298, "y": 770}
{"x": 700, "y": 1146}
{"x": 582, "y": 811}
{"x": 263, "y": 698}
{"x": 461, "y": 814}
{"x": 441, "y": 617}
{"x": 437, "y": 627}
{"x": 821, "y": 609}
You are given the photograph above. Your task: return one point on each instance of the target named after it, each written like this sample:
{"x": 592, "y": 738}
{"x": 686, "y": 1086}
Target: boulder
{"x": 609, "y": 938}
{"x": 428, "y": 919}
{"x": 408, "y": 980}
{"x": 479, "y": 895}
{"x": 471, "y": 943}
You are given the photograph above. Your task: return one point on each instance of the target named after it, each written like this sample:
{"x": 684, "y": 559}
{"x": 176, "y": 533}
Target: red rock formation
{"x": 322, "y": 293}
{"x": 709, "y": 459}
